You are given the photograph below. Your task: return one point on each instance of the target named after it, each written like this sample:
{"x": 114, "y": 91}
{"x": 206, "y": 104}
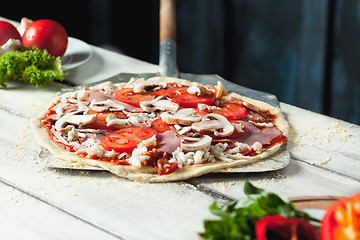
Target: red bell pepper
{"x": 281, "y": 228}
{"x": 342, "y": 220}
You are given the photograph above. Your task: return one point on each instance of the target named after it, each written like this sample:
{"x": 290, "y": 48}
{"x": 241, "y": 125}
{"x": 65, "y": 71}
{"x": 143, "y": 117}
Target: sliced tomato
{"x": 126, "y": 95}
{"x": 185, "y": 99}
{"x": 126, "y": 139}
{"x": 100, "y": 120}
{"x": 160, "y": 126}
{"x": 231, "y": 111}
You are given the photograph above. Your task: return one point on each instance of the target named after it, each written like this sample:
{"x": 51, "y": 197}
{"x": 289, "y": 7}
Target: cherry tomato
{"x": 126, "y": 95}
{"x": 100, "y": 120}
{"x": 7, "y": 31}
{"x": 231, "y": 111}
{"x": 187, "y": 100}
{"x": 160, "y": 126}
{"x": 46, "y": 34}
{"x": 126, "y": 139}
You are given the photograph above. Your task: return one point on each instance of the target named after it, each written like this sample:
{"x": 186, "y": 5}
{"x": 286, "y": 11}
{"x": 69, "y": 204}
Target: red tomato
{"x": 187, "y": 100}
{"x": 126, "y": 95}
{"x": 231, "y": 111}
{"x": 160, "y": 126}
{"x": 7, "y": 31}
{"x": 46, "y": 34}
{"x": 126, "y": 139}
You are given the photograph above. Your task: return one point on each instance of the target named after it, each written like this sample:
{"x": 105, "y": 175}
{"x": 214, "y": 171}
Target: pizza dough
{"x": 216, "y": 156}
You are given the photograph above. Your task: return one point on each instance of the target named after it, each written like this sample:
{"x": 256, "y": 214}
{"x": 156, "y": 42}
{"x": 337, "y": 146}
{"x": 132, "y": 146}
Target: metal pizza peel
{"x": 168, "y": 68}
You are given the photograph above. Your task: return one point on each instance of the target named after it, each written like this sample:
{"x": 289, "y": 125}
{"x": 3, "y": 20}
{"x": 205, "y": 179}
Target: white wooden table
{"x": 41, "y": 203}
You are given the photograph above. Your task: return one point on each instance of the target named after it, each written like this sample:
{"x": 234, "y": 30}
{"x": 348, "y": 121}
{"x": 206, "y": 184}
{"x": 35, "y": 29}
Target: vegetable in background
{"x": 281, "y": 228}
{"x": 31, "y": 66}
{"x": 46, "y": 34}
{"x": 7, "y": 31}
{"x": 342, "y": 220}
{"x": 238, "y": 218}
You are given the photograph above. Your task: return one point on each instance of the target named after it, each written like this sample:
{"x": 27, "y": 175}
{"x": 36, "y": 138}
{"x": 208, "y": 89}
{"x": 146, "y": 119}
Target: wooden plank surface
{"x": 27, "y": 217}
{"x": 325, "y": 160}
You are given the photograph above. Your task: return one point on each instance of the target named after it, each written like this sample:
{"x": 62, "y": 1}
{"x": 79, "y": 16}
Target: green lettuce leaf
{"x": 33, "y": 66}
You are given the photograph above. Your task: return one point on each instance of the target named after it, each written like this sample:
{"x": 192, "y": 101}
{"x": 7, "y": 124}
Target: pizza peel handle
{"x": 167, "y": 55}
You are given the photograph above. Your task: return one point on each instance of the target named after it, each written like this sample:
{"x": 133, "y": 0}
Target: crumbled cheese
{"x": 82, "y": 95}
{"x": 257, "y": 147}
{"x": 58, "y": 137}
{"x": 238, "y": 127}
{"x": 139, "y": 153}
{"x": 135, "y": 118}
{"x": 262, "y": 124}
{"x": 197, "y": 157}
{"x": 238, "y": 148}
{"x": 110, "y": 88}
{"x": 220, "y": 152}
{"x": 93, "y": 148}
{"x": 59, "y": 109}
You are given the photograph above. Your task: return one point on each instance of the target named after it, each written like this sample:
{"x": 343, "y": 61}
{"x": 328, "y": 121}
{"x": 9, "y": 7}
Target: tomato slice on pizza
{"x": 160, "y": 126}
{"x": 127, "y": 95}
{"x": 126, "y": 139}
{"x": 160, "y": 129}
{"x": 185, "y": 99}
{"x": 231, "y": 111}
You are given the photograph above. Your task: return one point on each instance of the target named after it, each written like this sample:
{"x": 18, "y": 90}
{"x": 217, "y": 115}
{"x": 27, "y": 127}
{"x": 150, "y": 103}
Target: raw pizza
{"x": 160, "y": 129}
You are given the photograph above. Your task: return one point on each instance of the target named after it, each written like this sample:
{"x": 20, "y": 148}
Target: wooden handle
{"x": 167, "y": 20}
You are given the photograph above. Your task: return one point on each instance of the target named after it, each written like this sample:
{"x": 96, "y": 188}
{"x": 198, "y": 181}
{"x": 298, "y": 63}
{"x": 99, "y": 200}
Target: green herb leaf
{"x": 238, "y": 218}
{"x": 34, "y": 66}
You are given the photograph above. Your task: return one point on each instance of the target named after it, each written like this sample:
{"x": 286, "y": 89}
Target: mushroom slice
{"x": 195, "y": 143}
{"x": 159, "y": 103}
{"x": 105, "y": 105}
{"x": 141, "y": 85}
{"x": 81, "y": 119}
{"x": 74, "y": 119}
{"x": 220, "y": 90}
{"x": 113, "y": 120}
{"x": 215, "y": 123}
{"x": 25, "y": 22}
{"x": 185, "y": 116}
{"x": 198, "y": 90}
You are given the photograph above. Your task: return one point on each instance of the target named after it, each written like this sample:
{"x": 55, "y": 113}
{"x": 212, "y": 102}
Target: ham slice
{"x": 254, "y": 134}
{"x": 168, "y": 141}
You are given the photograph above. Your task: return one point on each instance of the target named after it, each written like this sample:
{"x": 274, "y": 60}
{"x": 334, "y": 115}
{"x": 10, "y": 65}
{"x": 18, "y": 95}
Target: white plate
{"x": 315, "y": 213}
{"x": 77, "y": 53}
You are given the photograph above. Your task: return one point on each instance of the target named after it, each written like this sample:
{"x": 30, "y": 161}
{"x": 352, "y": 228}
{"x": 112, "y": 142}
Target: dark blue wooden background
{"x": 307, "y": 52}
